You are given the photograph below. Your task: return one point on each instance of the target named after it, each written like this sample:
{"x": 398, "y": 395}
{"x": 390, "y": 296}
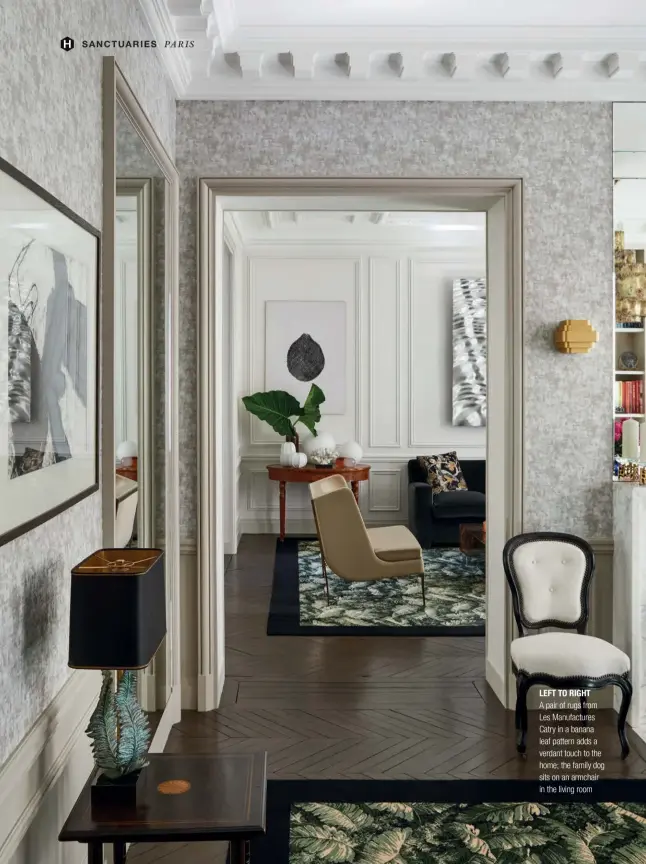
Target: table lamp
{"x": 117, "y": 622}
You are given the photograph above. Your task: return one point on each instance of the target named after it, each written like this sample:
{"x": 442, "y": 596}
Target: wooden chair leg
{"x": 522, "y": 686}
{"x": 423, "y": 590}
{"x": 626, "y": 695}
{"x": 327, "y": 584}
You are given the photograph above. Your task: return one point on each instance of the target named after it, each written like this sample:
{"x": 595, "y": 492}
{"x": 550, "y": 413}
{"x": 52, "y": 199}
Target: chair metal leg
{"x": 423, "y": 590}
{"x": 522, "y": 686}
{"x": 627, "y": 694}
{"x": 327, "y": 584}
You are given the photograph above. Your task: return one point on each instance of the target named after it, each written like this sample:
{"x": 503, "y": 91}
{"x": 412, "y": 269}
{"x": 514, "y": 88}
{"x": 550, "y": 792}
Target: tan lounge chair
{"x": 354, "y": 552}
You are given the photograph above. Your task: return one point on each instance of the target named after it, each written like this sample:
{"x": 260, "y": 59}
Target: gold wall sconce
{"x": 575, "y": 337}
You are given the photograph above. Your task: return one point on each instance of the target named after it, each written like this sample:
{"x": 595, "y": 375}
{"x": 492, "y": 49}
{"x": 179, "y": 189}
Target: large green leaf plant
{"x": 282, "y": 410}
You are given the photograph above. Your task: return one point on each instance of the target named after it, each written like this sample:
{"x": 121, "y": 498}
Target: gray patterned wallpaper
{"x": 53, "y": 101}
{"x": 563, "y": 152}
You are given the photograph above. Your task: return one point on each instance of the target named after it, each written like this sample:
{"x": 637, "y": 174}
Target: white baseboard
{"x": 189, "y": 694}
{"x": 55, "y": 745}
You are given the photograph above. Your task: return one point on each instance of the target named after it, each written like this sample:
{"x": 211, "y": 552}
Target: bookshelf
{"x": 629, "y": 383}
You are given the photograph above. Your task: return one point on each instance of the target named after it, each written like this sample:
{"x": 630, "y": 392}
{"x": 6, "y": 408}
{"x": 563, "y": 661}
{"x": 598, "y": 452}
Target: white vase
{"x": 351, "y": 450}
{"x": 287, "y": 450}
{"x": 127, "y": 450}
{"x": 298, "y": 460}
{"x": 322, "y": 441}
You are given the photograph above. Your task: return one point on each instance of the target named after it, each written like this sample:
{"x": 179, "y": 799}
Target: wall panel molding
{"x": 40, "y": 760}
{"x": 373, "y": 306}
{"x": 394, "y": 489}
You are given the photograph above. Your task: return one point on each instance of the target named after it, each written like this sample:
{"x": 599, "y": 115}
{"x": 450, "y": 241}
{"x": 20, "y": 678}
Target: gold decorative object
{"x": 575, "y": 337}
{"x": 630, "y": 282}
{"x": 174, "y": 787}
{"x": 632, "y": 472}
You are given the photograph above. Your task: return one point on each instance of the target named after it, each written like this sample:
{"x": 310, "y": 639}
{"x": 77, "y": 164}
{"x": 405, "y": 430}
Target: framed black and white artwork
{"x": 305, "y": 344}
{"x": 469, "y": 352}
{"x": 49, "y": 266}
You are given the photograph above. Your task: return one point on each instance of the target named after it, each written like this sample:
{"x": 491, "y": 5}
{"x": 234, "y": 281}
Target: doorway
{"x": 501, "y": 201}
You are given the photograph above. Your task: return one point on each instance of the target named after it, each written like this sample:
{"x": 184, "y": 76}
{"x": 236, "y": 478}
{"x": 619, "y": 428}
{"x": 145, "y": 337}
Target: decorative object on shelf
{"x": 299, "y": 460}
{"x": 469, "y": 352}
{"x": 629, "y": 471}
{"x": 48, "y": 344}
{"x": 305, "y": 341}
{"x": 630, "y": 283}
{"x": 117, "y": 621}
{"x": 575, "y": 336}
{"x": 628, "y": 360}
{"x": 287, "y": 450}
{"x": 324, "y": 457}
{"x": 351, "y": 450}
{"x": 630, "y": 439}
{"x": 282, "y": 411}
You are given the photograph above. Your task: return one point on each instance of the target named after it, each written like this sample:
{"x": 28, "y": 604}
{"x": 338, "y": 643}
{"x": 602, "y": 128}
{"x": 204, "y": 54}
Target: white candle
{"x": 642, "y": 441}
{"x": 630, "y": 439}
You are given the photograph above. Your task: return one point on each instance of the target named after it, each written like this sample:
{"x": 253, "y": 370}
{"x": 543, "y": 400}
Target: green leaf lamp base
{"x": 118, "y": 794}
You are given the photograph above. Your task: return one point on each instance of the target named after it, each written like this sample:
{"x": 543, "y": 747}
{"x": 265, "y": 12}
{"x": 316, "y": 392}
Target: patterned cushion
{"x": 443, "y": 472}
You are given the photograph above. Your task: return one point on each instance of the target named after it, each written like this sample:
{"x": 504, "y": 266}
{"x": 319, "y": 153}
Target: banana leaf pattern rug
{"x": 455, "y": 597}
{"x": 505, "y": 833}
{"x": 515, "y": 825}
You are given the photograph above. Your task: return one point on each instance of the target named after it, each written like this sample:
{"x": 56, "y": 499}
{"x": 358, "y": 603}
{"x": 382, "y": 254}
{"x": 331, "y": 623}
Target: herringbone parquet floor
{"x": 355, "y": 708}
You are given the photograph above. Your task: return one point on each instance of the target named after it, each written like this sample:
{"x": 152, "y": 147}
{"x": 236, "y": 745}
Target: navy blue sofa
{"x": 435, "y": 519}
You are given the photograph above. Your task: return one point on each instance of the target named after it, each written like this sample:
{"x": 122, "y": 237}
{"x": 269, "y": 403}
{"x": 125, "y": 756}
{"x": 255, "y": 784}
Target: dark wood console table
{"x": 310, "y": 474}
{"x": 180, "y": 799}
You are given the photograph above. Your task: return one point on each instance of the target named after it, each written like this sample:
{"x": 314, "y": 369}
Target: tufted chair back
{"x": 549, "y": 575}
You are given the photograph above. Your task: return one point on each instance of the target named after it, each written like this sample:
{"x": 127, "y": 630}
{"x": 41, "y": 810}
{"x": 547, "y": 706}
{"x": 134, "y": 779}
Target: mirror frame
{"x": 117, "y": 92}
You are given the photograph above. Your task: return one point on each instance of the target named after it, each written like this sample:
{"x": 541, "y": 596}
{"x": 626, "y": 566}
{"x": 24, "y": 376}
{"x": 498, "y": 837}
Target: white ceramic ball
{"x": 322, "y": 441}
{"x": 127, "y": 450}
{"x": 351, "y": 450}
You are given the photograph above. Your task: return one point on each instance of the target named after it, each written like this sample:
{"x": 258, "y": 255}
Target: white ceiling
{"x": 418, "y": 229}
{"x": 403, "y": 49}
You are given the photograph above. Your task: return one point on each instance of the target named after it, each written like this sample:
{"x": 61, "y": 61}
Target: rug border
{"x": 273, "y": 848}
{"x": 285, "y": 598}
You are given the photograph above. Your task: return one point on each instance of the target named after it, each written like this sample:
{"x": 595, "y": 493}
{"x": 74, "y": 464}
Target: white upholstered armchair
{"x": 549, "y": 575}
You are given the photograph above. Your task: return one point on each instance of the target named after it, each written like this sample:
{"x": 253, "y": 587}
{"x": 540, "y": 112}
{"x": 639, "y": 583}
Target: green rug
{"x": 455, "y": 594}
{"x": 455, "y": 597}
{"x": 444, "y": 822}
{"x": 495, "y": 833}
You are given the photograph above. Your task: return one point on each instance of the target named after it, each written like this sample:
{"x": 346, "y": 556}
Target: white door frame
{"x": 502, "y": 201}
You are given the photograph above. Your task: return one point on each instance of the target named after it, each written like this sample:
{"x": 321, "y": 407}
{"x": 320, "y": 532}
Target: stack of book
{"x": 629, "y": 397}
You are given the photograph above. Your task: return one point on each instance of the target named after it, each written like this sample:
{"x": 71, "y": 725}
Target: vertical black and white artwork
{"x": 48, "y": 320}
{"x": 469, "y": 352}
{"x": 305, "y": 344}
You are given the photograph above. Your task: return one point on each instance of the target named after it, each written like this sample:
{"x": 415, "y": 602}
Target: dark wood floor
{"x": 394, "y": 708}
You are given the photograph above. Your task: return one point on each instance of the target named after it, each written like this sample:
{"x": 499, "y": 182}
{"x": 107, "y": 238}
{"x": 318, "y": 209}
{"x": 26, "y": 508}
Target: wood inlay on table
{"x": 284, "y": 475}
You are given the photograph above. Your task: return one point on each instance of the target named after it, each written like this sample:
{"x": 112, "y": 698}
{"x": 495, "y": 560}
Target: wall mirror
{"x": 139, "y": 308}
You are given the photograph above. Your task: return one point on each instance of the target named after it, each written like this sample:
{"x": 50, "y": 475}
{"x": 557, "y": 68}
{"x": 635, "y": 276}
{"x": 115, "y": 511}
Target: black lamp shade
{"x": 117, "y": 609}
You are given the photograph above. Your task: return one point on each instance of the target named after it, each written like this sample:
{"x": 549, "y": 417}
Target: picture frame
{"x": 305, "y": 344}
{"x": 49, "y": 355}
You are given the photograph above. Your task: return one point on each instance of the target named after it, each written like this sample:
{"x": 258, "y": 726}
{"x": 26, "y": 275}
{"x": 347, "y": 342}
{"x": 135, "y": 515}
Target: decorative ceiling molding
{"x": 227, "y": 55}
